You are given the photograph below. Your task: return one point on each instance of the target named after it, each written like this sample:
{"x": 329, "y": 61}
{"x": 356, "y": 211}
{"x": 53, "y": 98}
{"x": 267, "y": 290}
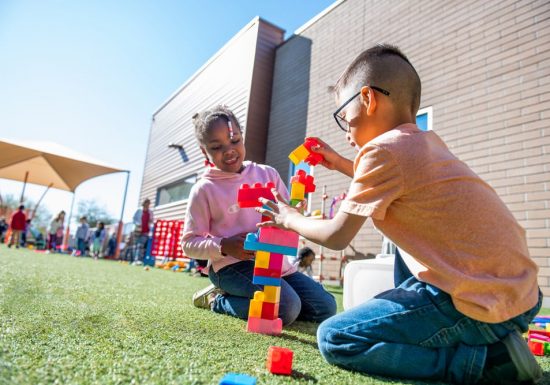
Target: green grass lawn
{"x": 65, "y": 320}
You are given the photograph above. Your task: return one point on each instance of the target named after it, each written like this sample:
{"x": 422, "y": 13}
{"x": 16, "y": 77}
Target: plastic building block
{"x": 294, "y": 202}
{"x": 237, "y": 379}
{"x": 313, "y": 158}
{"x": 303, "y": 178}
{"x": 248, "y": 196}
{"x": 251, "y": 243}
{"x": 255, "y": 309}
{"x": 272, "y": 294}
{"x": 269, "y": 273}
{"x": 279, "y": 360}
{"x": 297, "y": 191}
{"x": 266, "y": 281}
{"x": 277, "y": 236}
{"x": 299, "y": 154}
{"x": 537, "y": 348}
{"x": 270, "y": 310}
{"x": 262, "y": 259}
{"x": 264, "y": 326}
{"x": 276, "y": 261}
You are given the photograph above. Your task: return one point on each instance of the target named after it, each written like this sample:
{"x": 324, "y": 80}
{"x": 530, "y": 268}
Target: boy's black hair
{"x": 204, "y": 120}
{"x": 304, "y": 252}
{"x": 387, "y": 67}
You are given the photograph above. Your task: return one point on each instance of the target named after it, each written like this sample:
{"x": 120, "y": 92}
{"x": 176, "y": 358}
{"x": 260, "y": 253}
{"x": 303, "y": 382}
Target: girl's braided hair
{"x": 203, "y": 121}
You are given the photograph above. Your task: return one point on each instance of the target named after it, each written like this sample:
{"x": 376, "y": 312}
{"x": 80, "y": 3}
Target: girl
{"x": 215, "y": 228}
{"x": 55, "y": 231}
{"x": 98, "y": 236}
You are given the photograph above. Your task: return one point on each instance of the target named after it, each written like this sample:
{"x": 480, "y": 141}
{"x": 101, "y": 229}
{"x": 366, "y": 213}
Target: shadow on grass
{"x": 309, "y": 328}
{"x": 303, "y": 376}
{"x": 298, "y": 339}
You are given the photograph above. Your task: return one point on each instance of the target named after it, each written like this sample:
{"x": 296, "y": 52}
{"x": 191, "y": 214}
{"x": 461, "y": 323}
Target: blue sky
{"x": 89, "y": 74}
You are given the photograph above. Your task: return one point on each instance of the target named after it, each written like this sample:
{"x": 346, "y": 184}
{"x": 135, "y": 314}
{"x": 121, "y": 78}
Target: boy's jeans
{"x": 301, "y": 297}
{"x": 413, "y": 331}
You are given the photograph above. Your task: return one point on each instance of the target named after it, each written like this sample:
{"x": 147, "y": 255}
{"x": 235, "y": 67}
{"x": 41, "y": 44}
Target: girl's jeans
{"x": 413, "y": 331}
{"x": 301, "y": 297}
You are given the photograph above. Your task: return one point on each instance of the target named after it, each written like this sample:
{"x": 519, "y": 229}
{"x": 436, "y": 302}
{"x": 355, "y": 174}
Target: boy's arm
{"x": 334, "y": 233}
{"x": 331, "y": 159}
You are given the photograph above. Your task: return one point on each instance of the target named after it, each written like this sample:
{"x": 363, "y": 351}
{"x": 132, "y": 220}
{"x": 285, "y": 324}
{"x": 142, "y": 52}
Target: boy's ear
{"x": 368, "y": 100}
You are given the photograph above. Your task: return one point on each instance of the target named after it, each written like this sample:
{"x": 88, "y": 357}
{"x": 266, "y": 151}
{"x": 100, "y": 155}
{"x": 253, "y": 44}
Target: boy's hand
{"x": 331, "y": 157}
{"x": 279, "y": 211}
{"x": 234, "y": 246}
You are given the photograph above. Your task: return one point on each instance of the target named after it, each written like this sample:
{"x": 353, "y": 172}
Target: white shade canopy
{"x": 48, "y": 163}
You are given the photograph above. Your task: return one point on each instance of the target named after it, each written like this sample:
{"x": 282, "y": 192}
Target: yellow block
{"x": 262, "y": 259}
{"x": 259, "y": 296}
{"x": 297, "y": 191}
{"x": 272, "y": 294}
{"x": 255, "y": 309}
{"x": 548, "y": 327}
{"x": 299, "y": 154}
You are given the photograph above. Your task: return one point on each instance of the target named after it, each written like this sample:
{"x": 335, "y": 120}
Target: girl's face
{"x": 225, "y": 152}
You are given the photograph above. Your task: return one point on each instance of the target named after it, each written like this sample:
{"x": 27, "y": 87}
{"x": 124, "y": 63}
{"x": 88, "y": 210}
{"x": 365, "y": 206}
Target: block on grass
{"x": 277, "y": 236}
{"x": 272, "y": 294}
{"x": 237, "y": 379}
{"x": 262, "y": 259}
{"x": 264, "y": 326}
{"x": 279, "y": 360}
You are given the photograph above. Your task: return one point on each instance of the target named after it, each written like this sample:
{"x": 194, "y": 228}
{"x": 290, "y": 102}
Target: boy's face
{"x": 226, "y": 152}
{"x": 359, "y": 113}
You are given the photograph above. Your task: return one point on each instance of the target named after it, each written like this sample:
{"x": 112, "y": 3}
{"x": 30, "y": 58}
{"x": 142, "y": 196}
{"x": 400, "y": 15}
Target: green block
{"x": 294, "y": 202}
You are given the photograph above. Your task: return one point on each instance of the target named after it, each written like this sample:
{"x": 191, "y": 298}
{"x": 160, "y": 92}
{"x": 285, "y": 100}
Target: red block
{"x": 279, "y": 360}
{"x": 270, "y": 273}
{"x": 264, "y": 326}
{"x": 306, "y": 180}
{"x": 270, "y": 310}
{"x": 313, "y": 159}
{"x": 248, "y": 196}
{"x": 537, "y": 348}
{"x": 276, "y": 261}
{"x": 276, "y": 236}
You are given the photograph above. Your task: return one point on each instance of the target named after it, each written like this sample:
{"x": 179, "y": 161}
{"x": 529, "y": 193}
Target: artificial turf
{"x": 67, "y": 320}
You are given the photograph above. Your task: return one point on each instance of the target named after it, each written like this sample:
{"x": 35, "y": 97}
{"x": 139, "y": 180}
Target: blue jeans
{"x": 301, "y": 297}
{"x": 81, "y": 246}
{"x": 413, "y": 331}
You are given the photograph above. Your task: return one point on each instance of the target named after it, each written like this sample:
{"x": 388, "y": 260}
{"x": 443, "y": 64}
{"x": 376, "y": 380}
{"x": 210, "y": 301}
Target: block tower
{"x": 271, "y": 245}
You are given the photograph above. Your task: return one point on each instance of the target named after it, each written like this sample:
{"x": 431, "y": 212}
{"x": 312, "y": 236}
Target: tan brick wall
{"x": 485, "y": 70}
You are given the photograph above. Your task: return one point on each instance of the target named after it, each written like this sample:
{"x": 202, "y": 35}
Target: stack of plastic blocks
{"x": 539, "y": 342}
{"x": 303, "y": 153}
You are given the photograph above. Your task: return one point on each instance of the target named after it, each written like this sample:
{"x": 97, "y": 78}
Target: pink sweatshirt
{"x": 213, "y": 213}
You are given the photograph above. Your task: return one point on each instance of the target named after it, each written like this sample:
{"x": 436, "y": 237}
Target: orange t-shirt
{"x": 462, "y": 237}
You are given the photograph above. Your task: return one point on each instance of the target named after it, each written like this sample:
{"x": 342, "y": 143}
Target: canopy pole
{"x": 67, "y": 233}
{"x": 40, "y": 200}
{"x": 24, "y": 185}
{"x": 120, "y": 223}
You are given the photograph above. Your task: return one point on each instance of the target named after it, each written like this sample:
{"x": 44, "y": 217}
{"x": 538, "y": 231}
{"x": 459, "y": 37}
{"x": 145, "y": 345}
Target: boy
{"x": 18, "y": 223}
{"x": 465, "y": 285}
{"x": 82, "y": 234}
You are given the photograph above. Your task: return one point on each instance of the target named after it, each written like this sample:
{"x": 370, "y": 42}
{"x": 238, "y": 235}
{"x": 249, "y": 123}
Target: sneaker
{"x": 203, "y": 298}
{"x": 511, "y": 362}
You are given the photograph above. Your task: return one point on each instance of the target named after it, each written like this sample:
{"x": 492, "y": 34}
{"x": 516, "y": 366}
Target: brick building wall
{"x": 485, "y": 71}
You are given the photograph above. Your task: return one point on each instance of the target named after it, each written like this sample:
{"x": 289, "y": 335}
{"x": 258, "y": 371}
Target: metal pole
{"x": 24, "y": 185}
{"x": 120, "y": 223}
{"x": 40, "y": 200}
{"x": 67, "y": 231}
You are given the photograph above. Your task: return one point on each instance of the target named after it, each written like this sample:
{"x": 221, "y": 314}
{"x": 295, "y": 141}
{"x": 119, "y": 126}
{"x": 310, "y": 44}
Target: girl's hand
{"x": 234, "y": 246}
{"x": 331, "y": 157}
{"x": 279, "y": 211}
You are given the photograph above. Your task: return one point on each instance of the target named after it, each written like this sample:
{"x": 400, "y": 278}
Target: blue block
{"x": 237, "y": 379}
{"x": 251, "y": 243}
{"x": 267, "y": 281}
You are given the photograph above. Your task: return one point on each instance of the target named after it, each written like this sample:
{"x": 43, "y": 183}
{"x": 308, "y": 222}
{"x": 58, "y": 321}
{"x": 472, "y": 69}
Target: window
{"x": 424, "y": 119}
{"x": 176, "y": 191}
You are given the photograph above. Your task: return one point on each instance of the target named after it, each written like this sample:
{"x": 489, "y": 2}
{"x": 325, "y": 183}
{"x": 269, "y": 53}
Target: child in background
{"x": 55, "y": 231}
{"x": 18, "y": 224}
{"x": 82, "y": 237}
{"x": 305, "y": 259}
{"x": 215, "y": 228}
{"x": 98, "y": 236}
{"x": 466, "y": 287}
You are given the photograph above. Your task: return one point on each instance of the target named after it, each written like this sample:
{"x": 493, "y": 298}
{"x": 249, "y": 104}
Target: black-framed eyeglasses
{"x": 343, "y": 123}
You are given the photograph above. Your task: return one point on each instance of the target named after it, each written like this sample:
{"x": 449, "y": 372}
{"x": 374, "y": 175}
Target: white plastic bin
{"x": 366, "y": 278}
